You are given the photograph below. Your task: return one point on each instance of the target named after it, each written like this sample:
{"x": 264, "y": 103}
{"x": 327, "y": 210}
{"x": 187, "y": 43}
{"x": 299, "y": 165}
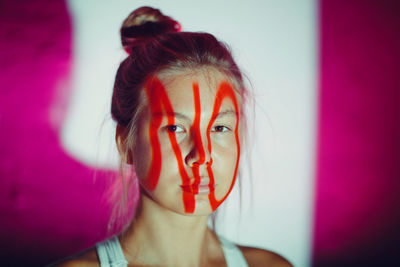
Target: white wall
{"x": 275, "y": 44}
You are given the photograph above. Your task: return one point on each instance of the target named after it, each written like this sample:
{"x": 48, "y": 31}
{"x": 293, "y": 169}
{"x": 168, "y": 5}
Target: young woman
{"x": 178, "y": 102}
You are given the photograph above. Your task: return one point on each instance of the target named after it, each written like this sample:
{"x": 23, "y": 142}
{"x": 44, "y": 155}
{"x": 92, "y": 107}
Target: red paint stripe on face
{"x": 159, "y": 103}
{"x": 196, "y": 124}
{"x": 196, "y": 175}
{"x": 198, "y": 143}
{"x": 224, "y": 90}
{"x": 152, "y": 89}
{"x": 158, "y": 98}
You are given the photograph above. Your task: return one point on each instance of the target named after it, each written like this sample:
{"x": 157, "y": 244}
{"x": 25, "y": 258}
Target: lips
{"x": 204, "y": 187}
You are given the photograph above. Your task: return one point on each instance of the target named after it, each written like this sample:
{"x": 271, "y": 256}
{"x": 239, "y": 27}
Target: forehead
{"x": 180, "y": 86}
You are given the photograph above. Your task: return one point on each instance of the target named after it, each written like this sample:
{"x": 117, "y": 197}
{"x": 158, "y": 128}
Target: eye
{"x": 220, "y": 129}
{"x": 174, "y": 129}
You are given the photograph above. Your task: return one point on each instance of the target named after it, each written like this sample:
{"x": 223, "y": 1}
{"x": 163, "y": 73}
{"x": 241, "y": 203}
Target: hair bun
{"x": 143, "y": 23}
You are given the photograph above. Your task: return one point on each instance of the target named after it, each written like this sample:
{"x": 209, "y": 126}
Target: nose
{"x": 199, "y": 152}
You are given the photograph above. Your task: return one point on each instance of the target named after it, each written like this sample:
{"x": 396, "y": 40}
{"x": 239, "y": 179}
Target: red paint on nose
{"x": 196, "y": 125}
{"x": 199, "y": 153}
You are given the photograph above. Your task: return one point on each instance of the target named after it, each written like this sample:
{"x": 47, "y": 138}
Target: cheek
{"x": 169, "y": 163}
{"x": 225, "y": 159}
{"x": 144, "y": 156}
{"x": 143, "y": 152}
{"x": 225, "y": 147}
{"x": 142, "y": 159}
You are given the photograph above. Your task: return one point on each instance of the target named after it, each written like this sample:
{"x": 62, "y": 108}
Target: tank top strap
{"x": 110, "y": 253}
{"x": 233, "y": 255}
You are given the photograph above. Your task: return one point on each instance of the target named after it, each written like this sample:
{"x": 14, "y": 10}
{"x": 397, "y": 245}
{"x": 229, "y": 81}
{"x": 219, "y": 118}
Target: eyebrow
{"x": 172, "y": 114}
{"x": 178, "y": 115}
{"x": 229, "y": 112}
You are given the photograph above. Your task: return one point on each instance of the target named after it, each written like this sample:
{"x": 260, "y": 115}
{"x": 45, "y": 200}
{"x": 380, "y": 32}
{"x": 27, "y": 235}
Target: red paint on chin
{"x": 159, "y": 103}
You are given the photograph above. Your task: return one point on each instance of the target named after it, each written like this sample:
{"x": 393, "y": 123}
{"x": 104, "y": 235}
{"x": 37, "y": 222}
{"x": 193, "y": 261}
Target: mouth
{"x": 204, "y": 187}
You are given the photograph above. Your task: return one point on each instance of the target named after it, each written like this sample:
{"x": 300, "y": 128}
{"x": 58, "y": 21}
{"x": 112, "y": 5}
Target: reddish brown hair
{"x": 155, "y": 44}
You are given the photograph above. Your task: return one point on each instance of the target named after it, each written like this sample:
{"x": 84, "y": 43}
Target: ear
{"x": 120, "y": 139}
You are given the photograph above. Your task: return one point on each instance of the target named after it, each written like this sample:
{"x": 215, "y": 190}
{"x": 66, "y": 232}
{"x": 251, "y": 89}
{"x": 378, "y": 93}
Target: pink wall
{"x": 49, "y": 202}
{"x": 358, "y": 181}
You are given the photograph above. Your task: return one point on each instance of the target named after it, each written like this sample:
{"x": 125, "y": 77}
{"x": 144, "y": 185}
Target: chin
{"x": 202, "y": 207}
{"x": 201, "y": 210}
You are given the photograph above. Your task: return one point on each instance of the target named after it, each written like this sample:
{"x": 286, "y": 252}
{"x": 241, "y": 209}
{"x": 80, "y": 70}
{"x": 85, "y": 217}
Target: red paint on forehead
{"x": 159, "y": 103}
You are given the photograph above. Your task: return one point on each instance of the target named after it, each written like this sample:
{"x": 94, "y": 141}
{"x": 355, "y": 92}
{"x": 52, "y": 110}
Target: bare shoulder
{"x": 87, "y": 258}
{"x": 256, "y": 257}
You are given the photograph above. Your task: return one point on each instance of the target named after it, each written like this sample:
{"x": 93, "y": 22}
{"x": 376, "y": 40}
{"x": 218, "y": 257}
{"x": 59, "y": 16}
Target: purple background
{"x": 357, "y": 216}
{"x": 50, "y": 202}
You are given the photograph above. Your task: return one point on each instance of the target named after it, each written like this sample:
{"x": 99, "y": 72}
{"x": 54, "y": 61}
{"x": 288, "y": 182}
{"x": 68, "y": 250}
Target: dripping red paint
{"x": 160, "y": 103}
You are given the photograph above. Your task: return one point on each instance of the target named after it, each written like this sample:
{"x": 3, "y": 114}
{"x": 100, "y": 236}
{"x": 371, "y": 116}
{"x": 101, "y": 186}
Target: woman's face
{"x": 187, "y": 150}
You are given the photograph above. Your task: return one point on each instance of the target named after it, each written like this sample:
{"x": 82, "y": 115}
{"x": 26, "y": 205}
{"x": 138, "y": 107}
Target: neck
{"x": 159, "y": 236}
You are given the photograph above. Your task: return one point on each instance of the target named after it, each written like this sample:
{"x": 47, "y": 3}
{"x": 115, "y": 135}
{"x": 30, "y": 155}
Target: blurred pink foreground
{"x": 51, "y": 205}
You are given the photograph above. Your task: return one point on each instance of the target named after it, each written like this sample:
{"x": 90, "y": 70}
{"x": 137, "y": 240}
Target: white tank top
{"x": 111, "y": 255}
